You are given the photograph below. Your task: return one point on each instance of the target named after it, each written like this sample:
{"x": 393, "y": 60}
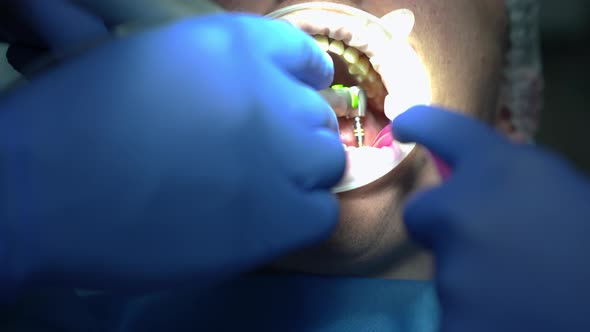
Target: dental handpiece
{"x": 349, "y": 102}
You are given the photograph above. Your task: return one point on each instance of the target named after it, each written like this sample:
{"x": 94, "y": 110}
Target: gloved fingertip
{"x": 403, "y": 124}
{"x": 330, "y": 161}
{"x": 319, "y": 72}
{"x": 333, "y": 124}
{"x": 451, "y": 135}
{"x": 327, "y": 76}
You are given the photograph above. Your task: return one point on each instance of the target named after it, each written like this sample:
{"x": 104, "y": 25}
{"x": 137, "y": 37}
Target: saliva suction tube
{"x": 367, "y": 45}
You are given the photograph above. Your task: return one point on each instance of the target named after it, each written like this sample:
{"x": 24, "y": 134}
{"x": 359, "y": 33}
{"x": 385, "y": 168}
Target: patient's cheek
{"x": 362, "y": 216}
{"x": 375, "y": 211}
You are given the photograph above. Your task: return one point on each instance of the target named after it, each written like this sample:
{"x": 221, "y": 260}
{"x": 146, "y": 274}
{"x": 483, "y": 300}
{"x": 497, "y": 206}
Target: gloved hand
{"x": 41, "y": 32}
{"x": 186, "y": 153}
{"x": 509, "y": 229}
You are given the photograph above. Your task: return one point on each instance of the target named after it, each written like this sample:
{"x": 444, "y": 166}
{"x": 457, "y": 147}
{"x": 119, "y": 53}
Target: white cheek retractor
{"x": 385, "y": 43}
{"x": 407, "y": 79}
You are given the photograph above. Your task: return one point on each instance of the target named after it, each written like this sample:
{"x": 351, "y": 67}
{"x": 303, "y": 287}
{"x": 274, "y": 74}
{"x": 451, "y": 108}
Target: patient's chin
{"x": 370, "y": 235}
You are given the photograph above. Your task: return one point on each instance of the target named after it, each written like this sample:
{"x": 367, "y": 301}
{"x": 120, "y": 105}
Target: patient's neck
{"x": 418, "y": 264}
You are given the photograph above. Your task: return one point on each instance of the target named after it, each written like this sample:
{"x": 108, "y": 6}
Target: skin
{"x": 461, "y": 43}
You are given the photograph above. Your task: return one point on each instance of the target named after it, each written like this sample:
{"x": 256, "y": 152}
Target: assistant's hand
{"x": 183, "y": 154}
{"x": 509, "y": 229}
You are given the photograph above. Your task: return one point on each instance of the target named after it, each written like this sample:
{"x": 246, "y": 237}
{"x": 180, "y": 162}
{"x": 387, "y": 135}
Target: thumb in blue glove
{"x": 509, "y": 228}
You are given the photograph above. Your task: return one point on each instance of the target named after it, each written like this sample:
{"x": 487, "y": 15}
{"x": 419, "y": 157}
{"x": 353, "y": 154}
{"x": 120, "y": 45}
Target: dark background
{"x": 565, "y": 28}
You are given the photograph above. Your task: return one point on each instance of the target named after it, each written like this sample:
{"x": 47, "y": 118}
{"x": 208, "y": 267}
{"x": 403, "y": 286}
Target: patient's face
{"x": 461, "y": 44}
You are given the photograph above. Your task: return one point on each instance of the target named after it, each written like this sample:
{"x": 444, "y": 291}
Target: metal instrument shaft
{"x": 349, "y": 102}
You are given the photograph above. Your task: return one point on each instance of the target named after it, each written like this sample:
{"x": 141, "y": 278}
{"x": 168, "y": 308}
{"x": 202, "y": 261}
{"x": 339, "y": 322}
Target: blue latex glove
{"x": 186, "y": 153}
{"x": 43, "y": 32}
{"x": 509, "y": 229}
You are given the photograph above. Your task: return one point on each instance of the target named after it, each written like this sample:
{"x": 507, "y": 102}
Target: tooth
{"x": 354, "y": 70}
{"x": 363, "y": 66}
{"x": 337, "y": 47}
{"x": 371, "y": 77}
{"x": 323, "y": 42}
{"x": 351, "y": 55}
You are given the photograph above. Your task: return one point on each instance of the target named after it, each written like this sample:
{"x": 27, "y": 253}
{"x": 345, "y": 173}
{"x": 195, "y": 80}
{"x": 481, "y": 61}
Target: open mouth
{"x": 377, "y": 58}
{"x": 352, "y": 67}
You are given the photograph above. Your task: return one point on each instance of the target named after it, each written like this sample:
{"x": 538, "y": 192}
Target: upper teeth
{"x": 336, "y": 47}
{"x": 369, "y": 50}
{"x": 359, "y": 67}
{"x": 351, "y": 55}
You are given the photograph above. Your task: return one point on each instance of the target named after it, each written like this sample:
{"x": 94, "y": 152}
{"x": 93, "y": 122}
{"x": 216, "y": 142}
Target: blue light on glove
{"x": 509, "y": 228}
{"x": 183, "y": 154}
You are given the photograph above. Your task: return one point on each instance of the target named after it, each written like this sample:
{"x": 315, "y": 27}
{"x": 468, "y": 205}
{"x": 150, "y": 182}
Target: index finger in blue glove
{"x": 449, "y": 135}
{"x": 295, "y": 52}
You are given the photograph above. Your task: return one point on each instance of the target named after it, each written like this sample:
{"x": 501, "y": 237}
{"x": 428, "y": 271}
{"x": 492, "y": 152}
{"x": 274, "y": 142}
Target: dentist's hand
{"x": 509, "y": 229}
{"x": 42, "y": 31}
{"x": 183, "y": 154}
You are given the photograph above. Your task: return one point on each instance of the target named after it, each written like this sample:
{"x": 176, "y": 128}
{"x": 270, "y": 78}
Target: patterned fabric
{"x": 523, "y": 86}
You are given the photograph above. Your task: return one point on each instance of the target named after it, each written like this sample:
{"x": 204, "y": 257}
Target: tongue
{"x": 384, "y": 138}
